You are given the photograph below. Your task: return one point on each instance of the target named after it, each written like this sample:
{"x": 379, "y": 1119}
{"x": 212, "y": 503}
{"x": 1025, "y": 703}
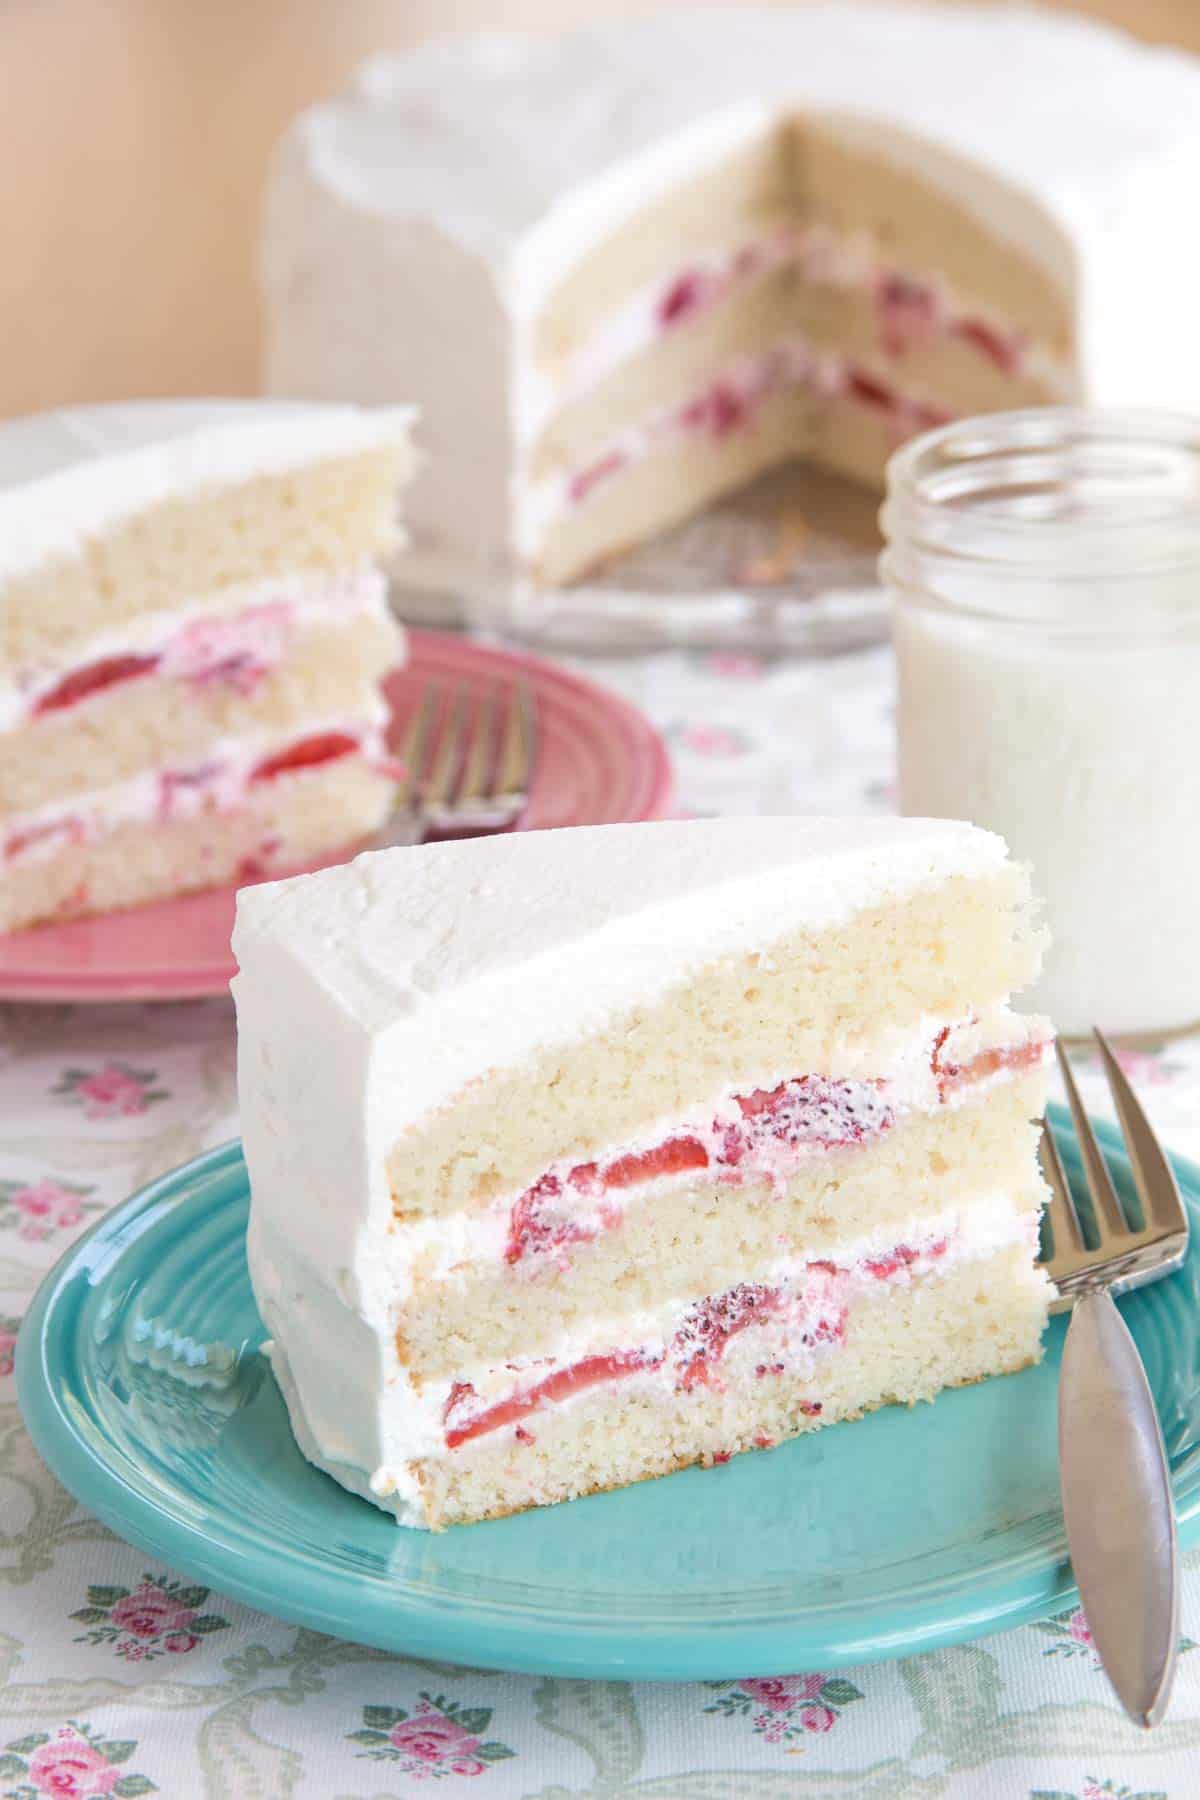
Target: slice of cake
{"x": 193, "y": 629}
{"x": 579, "y": 1156}
{"x": 625, "y": 269}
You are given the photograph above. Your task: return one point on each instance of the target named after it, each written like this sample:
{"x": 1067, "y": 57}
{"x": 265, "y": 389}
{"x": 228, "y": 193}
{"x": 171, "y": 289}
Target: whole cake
{"x": 193, "y": 628}
{"x": 623, "y": 271}
{"x": 578, "y": 1156}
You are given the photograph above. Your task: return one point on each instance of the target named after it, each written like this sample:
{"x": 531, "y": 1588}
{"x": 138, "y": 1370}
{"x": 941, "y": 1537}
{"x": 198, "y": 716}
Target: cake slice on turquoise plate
{"x": 580, "y": 1156}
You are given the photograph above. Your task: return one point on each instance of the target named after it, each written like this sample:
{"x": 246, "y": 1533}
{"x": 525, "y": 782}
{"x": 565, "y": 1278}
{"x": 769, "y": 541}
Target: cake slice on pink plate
{"x": 580, "y": 1156}
{"x": 193, "y": 631}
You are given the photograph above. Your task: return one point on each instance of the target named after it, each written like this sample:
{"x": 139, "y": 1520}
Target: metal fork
{"x": 1116, "y": 1487}
{"x": 468, "y": 766}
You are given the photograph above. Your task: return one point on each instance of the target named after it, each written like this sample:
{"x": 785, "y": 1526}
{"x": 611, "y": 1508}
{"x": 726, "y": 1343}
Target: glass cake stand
{"x": 787, "y": 564}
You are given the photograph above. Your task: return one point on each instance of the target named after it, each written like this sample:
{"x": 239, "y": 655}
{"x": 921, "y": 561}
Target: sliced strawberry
{"x": 1003, "y": 348}
{"x": 708, "y": 1326}
{"x": 589, "y": 1372}
{"x": 309, "y": 753}
{"x": 727, "y": 409}
{"x": 671, "y": 1158}
{"x": 81, "y": 684}
{"x": 870, "y": 390}
{"x": 537, "y": 1225}
{"x": 70, "y": 829}
{"x": 603, "y": 469}
{"x": 682, "y": 297}
{"x": 952, "y": 1076}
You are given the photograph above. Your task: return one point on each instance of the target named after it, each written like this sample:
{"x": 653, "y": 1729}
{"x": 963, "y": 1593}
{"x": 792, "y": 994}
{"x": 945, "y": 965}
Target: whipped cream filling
{"x": 912, "y": 311}
{"x": 220, "y": 782}
{"x": 235, "y": 635}
{"x": 874, "y": 1086}
{"x": 802, "y": 1302}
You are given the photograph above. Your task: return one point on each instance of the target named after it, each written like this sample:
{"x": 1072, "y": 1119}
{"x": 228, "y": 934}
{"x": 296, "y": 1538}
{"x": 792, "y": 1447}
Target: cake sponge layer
{"x": 282, "y": 825}
{"x": 900, "y": 1346}
{"x": 790, "y": 1005}
{"x": 329, "y": 513}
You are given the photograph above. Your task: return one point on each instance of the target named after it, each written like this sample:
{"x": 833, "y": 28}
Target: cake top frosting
{"x": 67, "y": 474}
{"x": 507, "y": 941}
{"x": 490, "y": 137}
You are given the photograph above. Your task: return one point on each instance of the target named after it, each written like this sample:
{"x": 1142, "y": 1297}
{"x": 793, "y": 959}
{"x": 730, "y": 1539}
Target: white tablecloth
{"x": 118, "y": 1676}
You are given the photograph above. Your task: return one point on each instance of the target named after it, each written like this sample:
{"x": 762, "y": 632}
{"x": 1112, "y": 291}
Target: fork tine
{"x": 1110, "y": 1219}
{"x": 474, "y": 786}
{"x": 439, "y": 790}
{"x": 416, "y": 739}
{"x": 1064, "y": 1220}
{"x": 1153, "y": 1176}
{"x": 516, "y": 751}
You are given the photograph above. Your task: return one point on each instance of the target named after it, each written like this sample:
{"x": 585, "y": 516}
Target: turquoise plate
{"x": 142, "y": 1384}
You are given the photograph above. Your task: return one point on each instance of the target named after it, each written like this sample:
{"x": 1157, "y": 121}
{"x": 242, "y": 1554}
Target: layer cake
{"x": 193, "y": 629}
{"x": 579, "y": 1156}
{"x": 626, "y": 269}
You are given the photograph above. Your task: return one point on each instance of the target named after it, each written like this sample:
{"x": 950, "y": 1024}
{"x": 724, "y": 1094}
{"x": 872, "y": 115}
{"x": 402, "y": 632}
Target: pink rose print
{"x": 791, "y": 1704}
{"x": 432, "y": 1737}
{"x": 1098, "y": 1790}
{"x": 149, "y": 1612}
{"x": 8, "y": 1346}
{"x": 72, "y": 1766}
{"x": 1073, "y": 1637}
{"x": 114, "y": 1091}
{"x": 37, "y": 1209}
{"x": 1149, "y": 1068}
{"x": 1079, "y": 1628}
{"x": 710, "y": 740}
{"x": 818, "y": 1718}
{"x": 731, "y": 665}
{"x": 779, "y": 1693}
{"x": 75, "y": 1764}
{"x": 160, "y": 1617}
{"x": 438, "y": 1737}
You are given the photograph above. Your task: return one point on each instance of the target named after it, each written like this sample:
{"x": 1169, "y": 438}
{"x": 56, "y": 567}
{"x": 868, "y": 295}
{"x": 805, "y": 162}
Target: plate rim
{"x": 1032, "y": 1584}
{"x": 210, "y": 979}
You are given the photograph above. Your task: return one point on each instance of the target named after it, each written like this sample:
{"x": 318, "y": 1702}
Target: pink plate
{"x": 599, "y": 763}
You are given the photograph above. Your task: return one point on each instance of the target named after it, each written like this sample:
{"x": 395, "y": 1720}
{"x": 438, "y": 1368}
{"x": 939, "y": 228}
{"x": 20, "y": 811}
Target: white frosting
{"x": 370, "y": 994}
{"x": 67, "y": 475}
{"x": 416, "y": 223}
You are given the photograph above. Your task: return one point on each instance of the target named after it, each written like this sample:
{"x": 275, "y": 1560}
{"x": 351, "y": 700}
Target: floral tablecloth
{"x": 119, "y": 1676}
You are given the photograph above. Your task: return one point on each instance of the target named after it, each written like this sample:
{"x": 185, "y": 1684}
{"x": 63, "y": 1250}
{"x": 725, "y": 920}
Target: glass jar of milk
{"x": 1045, "y": 568}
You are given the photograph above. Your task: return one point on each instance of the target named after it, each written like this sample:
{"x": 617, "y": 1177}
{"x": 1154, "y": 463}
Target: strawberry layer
{"x": 766, "y": 1133}
{"x": 231, "y": 774}
{"x": 911, "y": 310}
{"x": 731, "y": 403}
{"x": 789, "y": 1323}
{"x": 209, "y": 645}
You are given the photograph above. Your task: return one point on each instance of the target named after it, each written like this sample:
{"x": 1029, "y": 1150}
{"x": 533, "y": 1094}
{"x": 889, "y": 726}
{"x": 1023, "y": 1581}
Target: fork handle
{"x": 1120, "y": 1518}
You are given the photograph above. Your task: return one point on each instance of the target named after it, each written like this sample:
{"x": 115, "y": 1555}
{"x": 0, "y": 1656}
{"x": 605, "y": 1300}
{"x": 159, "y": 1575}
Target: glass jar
{"x": 1045, "y": 568}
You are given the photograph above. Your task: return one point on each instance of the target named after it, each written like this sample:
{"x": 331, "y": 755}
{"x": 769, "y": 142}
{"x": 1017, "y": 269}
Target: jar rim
{"x": 922, "y": 470}
{"x": 1079, "y": 521}
{"x": 1093, "y": 490}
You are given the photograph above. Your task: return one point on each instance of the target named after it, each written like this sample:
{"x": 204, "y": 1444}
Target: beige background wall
{"x": 133, "y": 140}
